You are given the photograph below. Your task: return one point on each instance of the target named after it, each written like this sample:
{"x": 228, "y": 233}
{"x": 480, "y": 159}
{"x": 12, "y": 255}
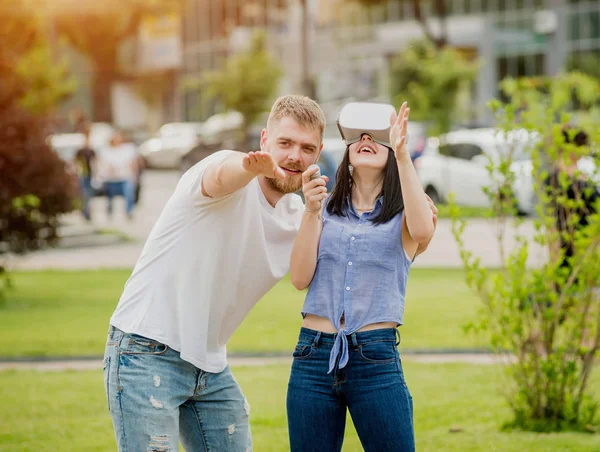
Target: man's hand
{"x": 262, "y": 164}
{"x": 314, "y": 190}
{"x": 433, "y": 208}
{"x": 434, "y": 211}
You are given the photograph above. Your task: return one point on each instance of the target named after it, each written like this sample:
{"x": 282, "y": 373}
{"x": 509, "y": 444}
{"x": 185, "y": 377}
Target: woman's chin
{"x": 364, "y": 164}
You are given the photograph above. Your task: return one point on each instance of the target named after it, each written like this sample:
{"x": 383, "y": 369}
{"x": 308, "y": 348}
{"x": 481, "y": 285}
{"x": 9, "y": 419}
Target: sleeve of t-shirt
{"x": 191, "y": 181}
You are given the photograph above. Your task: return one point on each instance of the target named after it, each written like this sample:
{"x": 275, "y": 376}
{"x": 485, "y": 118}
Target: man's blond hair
{"x": 302, "y": 109}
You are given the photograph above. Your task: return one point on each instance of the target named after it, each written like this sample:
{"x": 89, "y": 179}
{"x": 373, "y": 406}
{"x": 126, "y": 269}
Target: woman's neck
{"x": 367, "y": 187}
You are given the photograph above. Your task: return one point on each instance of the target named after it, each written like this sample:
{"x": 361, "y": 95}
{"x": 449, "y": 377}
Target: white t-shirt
{"x": 114, "y": 163}
{"x": 206, "y": 263}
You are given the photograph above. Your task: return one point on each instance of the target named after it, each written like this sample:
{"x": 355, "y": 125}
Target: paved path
{"x": 158, "y": 187}
{"x": 95, "y": 364}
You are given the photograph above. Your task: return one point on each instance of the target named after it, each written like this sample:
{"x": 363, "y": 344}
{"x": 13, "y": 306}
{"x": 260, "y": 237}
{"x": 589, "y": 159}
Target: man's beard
{"x": 288, "y": 185}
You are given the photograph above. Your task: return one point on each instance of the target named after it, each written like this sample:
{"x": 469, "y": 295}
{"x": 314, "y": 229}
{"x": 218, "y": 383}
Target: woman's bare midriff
{"x": 318, "y": 323}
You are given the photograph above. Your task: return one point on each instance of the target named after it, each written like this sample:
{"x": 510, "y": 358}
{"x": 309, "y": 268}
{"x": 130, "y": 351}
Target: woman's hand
{"x": 314, "y": 190}
{"x": 398, "y": 133}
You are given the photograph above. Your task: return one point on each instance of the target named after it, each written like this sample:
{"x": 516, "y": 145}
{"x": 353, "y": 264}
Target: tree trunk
{"x": 102, "y": 104}
{"x": 307, "y": 85}
{"x": 440, "y": 5}
{"x": 105, "y": 75}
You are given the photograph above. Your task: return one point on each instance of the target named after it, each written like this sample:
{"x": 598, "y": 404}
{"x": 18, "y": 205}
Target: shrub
{"x": 547, "y": 318}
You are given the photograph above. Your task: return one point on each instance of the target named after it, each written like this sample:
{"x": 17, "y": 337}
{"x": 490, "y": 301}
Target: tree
{"x": 247, "y": 82}
{"x": 547, "y": 318}
{"x": 431, "y": 79}
{"x": 97, "y": 30}
{"x": 47, "y": 82}
{"x": 587, "y": 63}
{"x": 36, "y": 185}
{"x": 440, "y": 9}
{"x": 43, "y": 81}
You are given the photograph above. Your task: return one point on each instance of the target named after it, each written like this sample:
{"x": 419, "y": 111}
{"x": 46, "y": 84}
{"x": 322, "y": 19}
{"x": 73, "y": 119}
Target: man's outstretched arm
{"x": 236, "y": 171}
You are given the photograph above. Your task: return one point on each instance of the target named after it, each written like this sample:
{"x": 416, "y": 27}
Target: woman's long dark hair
{"x": 341, "y": 196}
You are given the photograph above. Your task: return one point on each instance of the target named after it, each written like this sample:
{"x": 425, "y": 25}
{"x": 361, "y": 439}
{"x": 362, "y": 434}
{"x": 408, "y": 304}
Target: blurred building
{"x": 350, "y": 47}
{"x": 213, "y": 30}
{"x": 511, "y": 37}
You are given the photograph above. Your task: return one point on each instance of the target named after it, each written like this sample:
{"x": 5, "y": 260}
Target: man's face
{"x": 294, "y": 148}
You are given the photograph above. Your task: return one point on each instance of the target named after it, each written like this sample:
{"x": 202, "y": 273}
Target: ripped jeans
{"x": 156, "y": 399}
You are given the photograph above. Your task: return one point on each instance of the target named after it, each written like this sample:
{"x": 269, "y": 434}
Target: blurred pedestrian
{"x": 581, "y": 193}
{"x": 118, "y": 166}
{"x": 85, "y": 162}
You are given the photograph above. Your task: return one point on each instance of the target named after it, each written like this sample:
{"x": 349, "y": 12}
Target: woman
{"x": 356, "y": 253}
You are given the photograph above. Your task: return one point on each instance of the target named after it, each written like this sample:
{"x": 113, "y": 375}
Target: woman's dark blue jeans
{"x": 371, "y": 386}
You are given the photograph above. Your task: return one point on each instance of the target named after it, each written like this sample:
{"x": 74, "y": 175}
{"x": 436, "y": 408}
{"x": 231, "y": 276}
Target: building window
{"x": 520, "y": 66}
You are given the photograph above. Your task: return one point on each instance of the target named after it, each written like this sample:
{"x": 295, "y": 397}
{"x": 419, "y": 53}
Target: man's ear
{"x": 263, "y": 139}
{"x": 319, "y": 153}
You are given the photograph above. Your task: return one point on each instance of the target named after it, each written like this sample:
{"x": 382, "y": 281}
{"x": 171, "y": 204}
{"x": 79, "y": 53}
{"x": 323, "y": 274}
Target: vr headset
{"x": 357, "y": 118}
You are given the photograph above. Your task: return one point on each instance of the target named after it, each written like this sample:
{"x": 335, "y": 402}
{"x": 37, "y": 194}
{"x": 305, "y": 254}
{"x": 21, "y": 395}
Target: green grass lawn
{"x": 66, "y": 411}
{"x": 60, "y": 313}
{"x": 465, "y": 211}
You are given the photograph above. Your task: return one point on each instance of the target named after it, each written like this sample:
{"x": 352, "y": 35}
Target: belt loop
{"x": 354, "y": 341}
{"x": 317, "y": 339}
{"x": 397, "y": 333}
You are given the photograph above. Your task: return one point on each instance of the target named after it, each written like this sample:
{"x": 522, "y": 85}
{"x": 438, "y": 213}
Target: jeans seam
{"x": 107, "y": 384}
{"x": 200, "y": 428}
{"x": 375, "y": 341}
{"x": 401, "y": 373}
{"x": 374, "y": 361}
{"x": 117, "y": 375}
{"x": 121, "y": 416}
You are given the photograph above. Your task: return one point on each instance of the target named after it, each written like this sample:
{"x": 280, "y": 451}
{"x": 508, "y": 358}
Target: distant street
{"x": 158, "y": 186}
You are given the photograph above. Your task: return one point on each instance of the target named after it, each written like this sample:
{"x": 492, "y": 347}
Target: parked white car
{"x": 173, "y": 141}
{"x": 67, "y": 144}
{"x": 457, "y": 162}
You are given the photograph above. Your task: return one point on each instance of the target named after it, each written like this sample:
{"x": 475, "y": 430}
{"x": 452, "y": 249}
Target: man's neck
{"x": 273, "y": 196}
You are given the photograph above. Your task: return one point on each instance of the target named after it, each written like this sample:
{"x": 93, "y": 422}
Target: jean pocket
{"x": 378, "y": 352}
{"x": 303, "y": 351}
{"x": 133, "y": 344}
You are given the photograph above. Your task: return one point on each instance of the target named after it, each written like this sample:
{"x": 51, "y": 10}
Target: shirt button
{"x": 349, "y": 263}
{"x": 348, "y": 288}
{"x": 352, "y": 238}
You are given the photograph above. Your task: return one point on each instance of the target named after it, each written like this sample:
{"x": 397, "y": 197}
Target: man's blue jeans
{"x": 371, "y": 387}
{"x": 156, "y": 399}
{"x": 85, "y": 184}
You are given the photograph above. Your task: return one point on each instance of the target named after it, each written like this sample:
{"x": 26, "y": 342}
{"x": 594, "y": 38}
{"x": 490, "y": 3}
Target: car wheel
{"x": 433, "y": 194}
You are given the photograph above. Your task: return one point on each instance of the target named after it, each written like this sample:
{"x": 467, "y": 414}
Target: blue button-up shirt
{"x": 361, "y": 273}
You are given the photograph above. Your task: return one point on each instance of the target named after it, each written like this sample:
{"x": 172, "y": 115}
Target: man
{"x": 223, "y": 240}
{"x": 85, "y": 160}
